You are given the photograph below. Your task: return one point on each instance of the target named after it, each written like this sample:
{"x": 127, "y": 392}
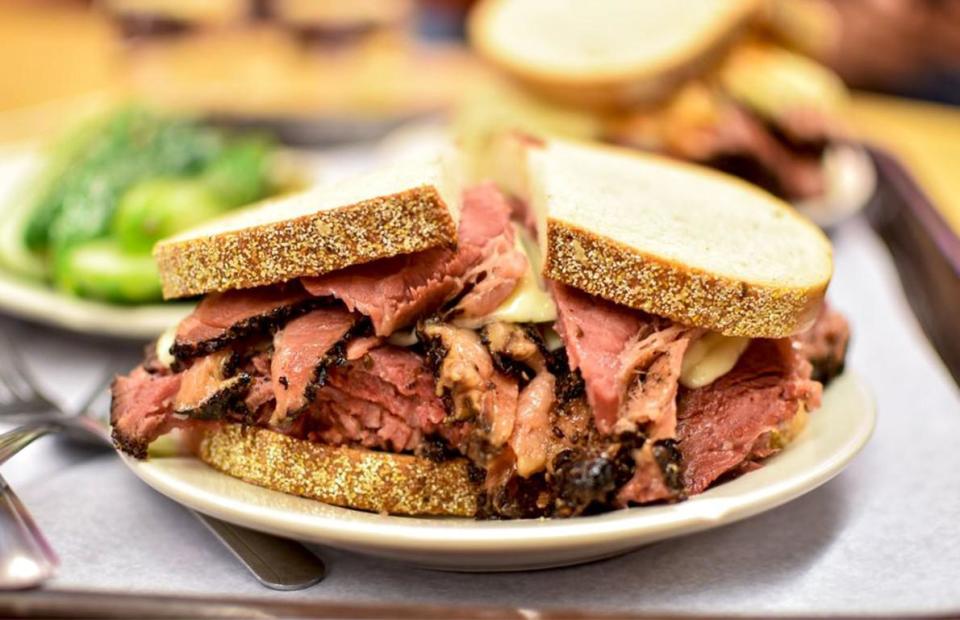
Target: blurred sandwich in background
{"x": 725, "y": 84}
{"x": 310, "y": 70}
{"x": 142, "y": 18}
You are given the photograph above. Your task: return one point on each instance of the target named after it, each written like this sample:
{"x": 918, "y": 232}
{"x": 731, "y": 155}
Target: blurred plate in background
{"x": 851, "y": 181}
{"x": 36, "y": 302}
{"x": 41, "y": 303}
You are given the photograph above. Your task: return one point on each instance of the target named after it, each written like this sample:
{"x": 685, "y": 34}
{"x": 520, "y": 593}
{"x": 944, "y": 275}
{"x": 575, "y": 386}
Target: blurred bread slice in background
{"x": 723, "y": 84}
{"x": 617, "y": 54}
{"x": 261, "y": 72}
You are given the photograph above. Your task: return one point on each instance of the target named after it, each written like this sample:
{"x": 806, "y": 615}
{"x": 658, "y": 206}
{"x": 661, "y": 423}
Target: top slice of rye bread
{"x": 672, "y": 239}
{"x": 396, "y": 210}
{"x": 606, "y": 53}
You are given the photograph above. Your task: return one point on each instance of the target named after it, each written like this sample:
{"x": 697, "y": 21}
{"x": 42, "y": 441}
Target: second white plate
{"x": 42, "y": 303}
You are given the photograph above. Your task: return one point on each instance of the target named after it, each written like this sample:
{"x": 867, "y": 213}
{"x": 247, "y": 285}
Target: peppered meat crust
{"x": 260, "y": 325}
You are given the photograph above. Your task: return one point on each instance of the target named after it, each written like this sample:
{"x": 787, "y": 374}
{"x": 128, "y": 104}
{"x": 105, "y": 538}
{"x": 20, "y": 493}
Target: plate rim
{"x": 405, "y": 534}
{"x": 41, "y": 304}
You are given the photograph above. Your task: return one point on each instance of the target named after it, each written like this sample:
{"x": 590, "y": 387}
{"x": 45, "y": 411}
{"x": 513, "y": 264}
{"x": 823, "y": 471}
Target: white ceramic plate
{"x": 851, "y": 180}
{"x": 835, "y": 434}
{"x": 37, "y": 302}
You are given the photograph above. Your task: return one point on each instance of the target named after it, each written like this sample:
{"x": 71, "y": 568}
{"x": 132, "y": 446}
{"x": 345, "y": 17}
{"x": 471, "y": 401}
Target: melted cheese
{"x": 406, "y": 338}
{"x": 529, "y": 302}
{"x": 710, "y": 357}
{"x": 552, "y": 339}
{"x": 164, "y": 342}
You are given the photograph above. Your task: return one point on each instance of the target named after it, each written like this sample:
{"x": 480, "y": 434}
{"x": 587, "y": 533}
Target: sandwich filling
{"x": 763, "y": 113}
{"x": 563, "y": 403}
{"x": 782, "y": 153}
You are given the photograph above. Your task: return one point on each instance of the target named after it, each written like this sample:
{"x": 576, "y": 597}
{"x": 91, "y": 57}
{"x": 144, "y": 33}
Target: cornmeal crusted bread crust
{"x": 409, "y": 221}
{"x": 351, "y": 477}
{"x": 604, "y": 268}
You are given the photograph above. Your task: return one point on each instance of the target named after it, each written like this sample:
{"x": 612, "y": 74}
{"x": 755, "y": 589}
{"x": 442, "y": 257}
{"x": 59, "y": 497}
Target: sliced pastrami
{"x": 395, "y": 292}
{"x": 259, "y": 396}
{"x": 650, "y": 375}
{"x": 209, "y": 389}
{"x": 487, "y": 253}
{"x": 517, "y": 350}
{"x": 358, "y": 347}
{"x": 487, "y": 409}
{"x": 501, "y": 415}
{"x": 590, "y": 468}
{"x": 302, "y": 351}
{"x": 384, "y": 400}
{"x": 222, "y": 318}
{"x": 595, "y": 332}
{"x": 463, "y": 368}
{"x": 656, "y": 476}
{"x": 141, "y": 409}
{"x": 825, "y": 344}
{"x": 724, "y": 424}
{"x": 769, "y": 156}
{"x": 532, "y": 434}
{"x": 630, "y": 361}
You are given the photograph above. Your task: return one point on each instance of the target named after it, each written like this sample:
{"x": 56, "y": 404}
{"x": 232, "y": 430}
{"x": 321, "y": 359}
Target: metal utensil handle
{"x": 277, "y": 563}
{"x": 26, "y": 558}
{"x": 16, "y": 440}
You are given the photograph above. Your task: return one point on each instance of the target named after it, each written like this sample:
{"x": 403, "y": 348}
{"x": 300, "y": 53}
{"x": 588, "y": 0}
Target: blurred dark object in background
{"x": 152, "y": 18}
{"x": 926, "y": 253}
{"x": 443, "y": 19}
{"x": 330, "y": 22}
{"x": 907, "y": 47}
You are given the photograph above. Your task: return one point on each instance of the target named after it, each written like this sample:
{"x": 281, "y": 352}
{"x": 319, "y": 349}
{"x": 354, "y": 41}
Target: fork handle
{"x": 26, "y": 558}
{"x": 16, "y": 440}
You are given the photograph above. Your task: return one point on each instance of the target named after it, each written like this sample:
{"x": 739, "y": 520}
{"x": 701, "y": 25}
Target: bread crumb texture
{"x": 350, "y": 477}
{"x": 605, "y": 268}
{"x": 313, "y": 244}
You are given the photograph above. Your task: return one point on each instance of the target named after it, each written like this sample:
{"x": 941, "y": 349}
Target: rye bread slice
{"x": 672, "y": 239}
{"x": 350, "y": 477}
{"x": 405, "y": 208}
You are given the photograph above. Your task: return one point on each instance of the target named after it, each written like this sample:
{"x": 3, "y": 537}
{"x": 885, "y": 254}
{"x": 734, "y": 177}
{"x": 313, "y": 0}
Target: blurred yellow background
{"x": 926, "y": 138}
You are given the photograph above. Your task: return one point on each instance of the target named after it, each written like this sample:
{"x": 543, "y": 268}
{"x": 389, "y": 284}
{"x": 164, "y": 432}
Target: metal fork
{"x": 277, "y": 563}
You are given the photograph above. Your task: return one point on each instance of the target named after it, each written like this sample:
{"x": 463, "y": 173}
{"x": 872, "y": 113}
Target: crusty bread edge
{"x": 611, "y": 270}
{"x": 408, "y": 221}
{"x": 350, "y": 477}
{"x": 625, "y": 275}
{"x": 643, "y": 83}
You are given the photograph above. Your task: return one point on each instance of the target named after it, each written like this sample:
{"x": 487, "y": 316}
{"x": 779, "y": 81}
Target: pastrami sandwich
{"x": 701, "y": 81}
{"x": 596, "y": 330}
